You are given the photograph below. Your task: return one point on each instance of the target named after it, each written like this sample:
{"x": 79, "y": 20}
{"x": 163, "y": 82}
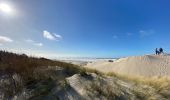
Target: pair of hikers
{"x": 160, "y": 51}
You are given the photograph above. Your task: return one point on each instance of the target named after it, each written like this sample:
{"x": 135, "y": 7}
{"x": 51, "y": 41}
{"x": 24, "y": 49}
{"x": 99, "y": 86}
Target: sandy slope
{"x": 148, "y": 65}
{"x": 96, "y": 87}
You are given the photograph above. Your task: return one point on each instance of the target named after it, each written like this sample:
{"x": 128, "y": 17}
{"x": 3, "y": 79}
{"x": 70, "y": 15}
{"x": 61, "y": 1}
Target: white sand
{"x": 148, "y": 65}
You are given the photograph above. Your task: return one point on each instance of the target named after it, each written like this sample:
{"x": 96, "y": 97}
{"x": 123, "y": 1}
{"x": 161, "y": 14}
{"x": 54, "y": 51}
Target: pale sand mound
{"x": 148, "y": 65}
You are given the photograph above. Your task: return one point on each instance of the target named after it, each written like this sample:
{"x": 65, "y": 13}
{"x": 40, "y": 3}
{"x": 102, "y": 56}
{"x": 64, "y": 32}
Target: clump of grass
{"x": 94, "y": 71}
{"x": 144, "y": 88}
{"x": 41, "y": 88}
{"x": 84, "y": 71}
{"x": 161, "y": 85}
{"x": 111, "y": 74}
{"x": 64, "y": 84}
{"x": 156, "y": 82}
{"x": 11, "y": 85}
{"x": 101, "y": 89}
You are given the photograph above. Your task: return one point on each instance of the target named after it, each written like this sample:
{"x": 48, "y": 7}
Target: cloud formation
{"x": 144, "y": 33}
{"x": 4, "y": 39}
{"x": 129, "y": 34}
{"x": 34, "y": 43}
{"x": 51, "y": 36}
{"x": 38, "y": 44}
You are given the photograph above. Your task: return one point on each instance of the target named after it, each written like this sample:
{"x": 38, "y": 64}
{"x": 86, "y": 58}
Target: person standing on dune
{"x": 156, "y": 51}
{"x": 161, "y": 51}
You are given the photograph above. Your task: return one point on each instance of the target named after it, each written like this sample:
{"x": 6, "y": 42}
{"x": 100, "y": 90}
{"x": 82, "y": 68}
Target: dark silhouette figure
{"x": 156, "y": 51}
{"x": 160, "y": 51}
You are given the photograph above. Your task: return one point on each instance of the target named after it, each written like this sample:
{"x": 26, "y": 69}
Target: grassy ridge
{"x": 21, "y": 71}
{"x": 22, "y": 64}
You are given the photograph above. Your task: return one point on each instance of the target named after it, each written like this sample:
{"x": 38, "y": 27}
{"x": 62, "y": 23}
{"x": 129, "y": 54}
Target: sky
{"x": 84, "y": 28}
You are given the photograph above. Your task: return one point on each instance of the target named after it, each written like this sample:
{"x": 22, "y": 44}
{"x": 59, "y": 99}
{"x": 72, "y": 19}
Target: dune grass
{"x": 23, "y": 71}
{"x": 161, "y": 85}
{"x": 156, "y": 82}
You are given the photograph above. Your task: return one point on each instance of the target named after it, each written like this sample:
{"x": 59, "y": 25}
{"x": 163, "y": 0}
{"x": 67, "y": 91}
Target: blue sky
{"x": 85, "y": 28}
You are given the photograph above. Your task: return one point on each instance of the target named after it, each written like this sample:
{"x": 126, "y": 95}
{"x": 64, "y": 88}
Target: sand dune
{"x": 148, "y": 65}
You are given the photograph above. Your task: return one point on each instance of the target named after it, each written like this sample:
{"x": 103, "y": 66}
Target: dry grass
{"x": 32, "y": 72}
{"x": 141, "y": 88}
{"x": 144, "y": 87}
{"x": 161, "y": 85}
{"x": 99, "y": 88}
{"x": 22, "y": 64}
{"x": 152, "y": 81}
{"x": 84, "y": 71}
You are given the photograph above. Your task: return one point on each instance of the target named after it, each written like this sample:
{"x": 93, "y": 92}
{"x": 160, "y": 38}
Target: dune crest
{"x": 147, "y": 65}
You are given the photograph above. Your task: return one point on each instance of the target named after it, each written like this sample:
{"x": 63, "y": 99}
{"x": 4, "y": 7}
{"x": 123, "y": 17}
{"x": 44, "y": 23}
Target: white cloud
{"x": 34, "y": 43}
{"x": 58, "y": 36}
{"x": 38, "y": 44}
{"x": 4, "y": 39}
{"x": 51, "y": 36}
{"x": 29, "y": 41}
{"x": 144, "y": 33}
